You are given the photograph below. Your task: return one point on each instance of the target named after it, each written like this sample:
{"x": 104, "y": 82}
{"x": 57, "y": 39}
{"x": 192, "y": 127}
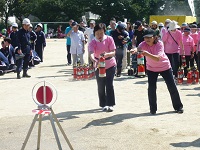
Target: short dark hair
{"x": 113, "y": 19}
{"x": 99, "y": 27}
{"x": 7, "y": 39}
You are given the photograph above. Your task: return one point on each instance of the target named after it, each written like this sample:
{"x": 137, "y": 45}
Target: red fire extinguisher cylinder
{"x": 102, "y": 65}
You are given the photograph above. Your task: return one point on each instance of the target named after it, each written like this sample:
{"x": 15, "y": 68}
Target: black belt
{"x": 105, "y": 58}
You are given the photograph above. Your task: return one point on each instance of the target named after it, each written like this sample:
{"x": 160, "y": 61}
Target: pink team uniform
{"x": 188, "y": 43}
{"x": 157, "y": 49}
{"x": 195, "y": 38}
{"x": 106, "y": 45}
{"x": 199, "y": 40}
{"x": 170, "y": 45}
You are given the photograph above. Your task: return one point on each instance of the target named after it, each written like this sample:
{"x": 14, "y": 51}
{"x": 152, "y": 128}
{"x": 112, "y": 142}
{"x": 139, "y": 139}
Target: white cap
{"x": 26, "y": 21}
{"x": 15, "y": 25}
{"x": 173, "y": 25}
{"x": 39, "y": 24}
{"x": 161, "y": 24}
{"x": 31, "y": 26}
{"x": 92, "y": 21}
{"x": 154, "y": 22}
{"x": 167, "y": 20}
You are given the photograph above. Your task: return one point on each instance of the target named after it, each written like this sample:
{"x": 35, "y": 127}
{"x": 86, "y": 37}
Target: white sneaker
{"x": 105, "y": 108}
{"x": 110, "y": 109}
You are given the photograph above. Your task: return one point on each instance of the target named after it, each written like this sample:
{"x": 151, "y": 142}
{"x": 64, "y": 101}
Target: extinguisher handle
{"x": 95, "y": 63}
{"x": 102, "y": 54}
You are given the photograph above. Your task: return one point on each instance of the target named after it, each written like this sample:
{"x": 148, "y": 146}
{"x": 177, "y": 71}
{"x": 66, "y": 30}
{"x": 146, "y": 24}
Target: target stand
{"x": 44, "y": 95}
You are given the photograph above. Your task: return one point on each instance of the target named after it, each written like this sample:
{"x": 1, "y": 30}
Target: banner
{"x": 191, "y": 4}
{"x": 45, "y": 28}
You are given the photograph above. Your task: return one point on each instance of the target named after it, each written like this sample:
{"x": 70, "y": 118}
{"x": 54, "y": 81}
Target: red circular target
{"x": 44, "y": 93}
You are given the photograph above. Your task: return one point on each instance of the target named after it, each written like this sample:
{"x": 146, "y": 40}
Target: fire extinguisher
{"x": 86, "y": 72}
{"x": 189, "y": 77}
{"x": 140, "y": 59}
{"x": 196, "y": 76}
{"x": 89, "y": 71}
{"x": 82, "y": 72}
{"x": 183, "y": 61}
{"x": 140, "y": 62}
{"x": 180, "y": 76}
{"x": 102, "y": 65}
{"x": 79, "y": 73}
{"x": 75, "y": 72}
{"x": 141, "y": 70}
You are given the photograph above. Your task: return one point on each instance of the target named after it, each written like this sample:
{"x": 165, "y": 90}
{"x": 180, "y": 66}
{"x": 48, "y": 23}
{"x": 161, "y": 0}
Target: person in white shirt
{"x": 77, "y": 48}
{"x": 89, "y": 31}
{"x": 89, "y": 36}
{"x": 164, "y": 29}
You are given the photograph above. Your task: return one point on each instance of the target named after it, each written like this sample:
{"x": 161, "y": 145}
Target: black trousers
{"x": 174, "y": 61}
{"x": 39, "y": 50}
{"x": 198, "y": 62}
{"x": 119, "y": 57}
{"x": 69, "y": 58}
{"x": 105, "y": 87}
{"x": 169, "y": 80}
{"x": 23, "y": 63}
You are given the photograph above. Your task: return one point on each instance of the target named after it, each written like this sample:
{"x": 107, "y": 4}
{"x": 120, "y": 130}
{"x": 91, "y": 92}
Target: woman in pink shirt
{"x": 158, "y": 63}
{"x": 172, "y": 40}
{"x": 188, "y": 43}
{"x": 194, "y": 35}
{"x": 104, "y": 45}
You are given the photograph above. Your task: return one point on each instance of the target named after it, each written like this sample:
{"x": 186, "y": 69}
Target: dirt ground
{"x": 128, "y": 127}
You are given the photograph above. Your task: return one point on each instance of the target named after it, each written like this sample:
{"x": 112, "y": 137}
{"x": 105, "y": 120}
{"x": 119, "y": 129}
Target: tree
{"x": 19, "y": 8}
{"x": 6, "y": 7}
{"x": 48, "y": 10}
{"x": 74, "y": 9}
{"x": 63, "y": 10}
{"x": 120, "y": 9}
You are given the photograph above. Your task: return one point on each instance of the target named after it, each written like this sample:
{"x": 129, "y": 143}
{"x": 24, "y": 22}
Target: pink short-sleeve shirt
{"x": 199, "y": 40}
{"x": 157, "y": 49}
{"x": 188, "y": 43}
{"x": 172, "y": 44}
{"x": 195, "y": 38}
{"x": 106, "y": 45}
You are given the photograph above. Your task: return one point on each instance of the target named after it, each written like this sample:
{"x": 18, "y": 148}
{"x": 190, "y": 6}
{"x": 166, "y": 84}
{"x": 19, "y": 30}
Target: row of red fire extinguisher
{"x": 87, "y": 72}
{"x": 83, "y": 72}
{"x": 192, "y": 76}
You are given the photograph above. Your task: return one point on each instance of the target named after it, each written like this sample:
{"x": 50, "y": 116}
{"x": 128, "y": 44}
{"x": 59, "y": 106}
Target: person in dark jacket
{"x": 24, "y": 48}
{"x": 13, "y": 35}
{"x": 120, "y": 38}
{"x": 40, "y": 42}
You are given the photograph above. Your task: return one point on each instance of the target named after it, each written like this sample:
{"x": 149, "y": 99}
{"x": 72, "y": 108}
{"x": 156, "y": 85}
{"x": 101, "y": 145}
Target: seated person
{"x": 4, "y": 64}
{"x": 8, "y": 52}
{"x": 11, "y": 52}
